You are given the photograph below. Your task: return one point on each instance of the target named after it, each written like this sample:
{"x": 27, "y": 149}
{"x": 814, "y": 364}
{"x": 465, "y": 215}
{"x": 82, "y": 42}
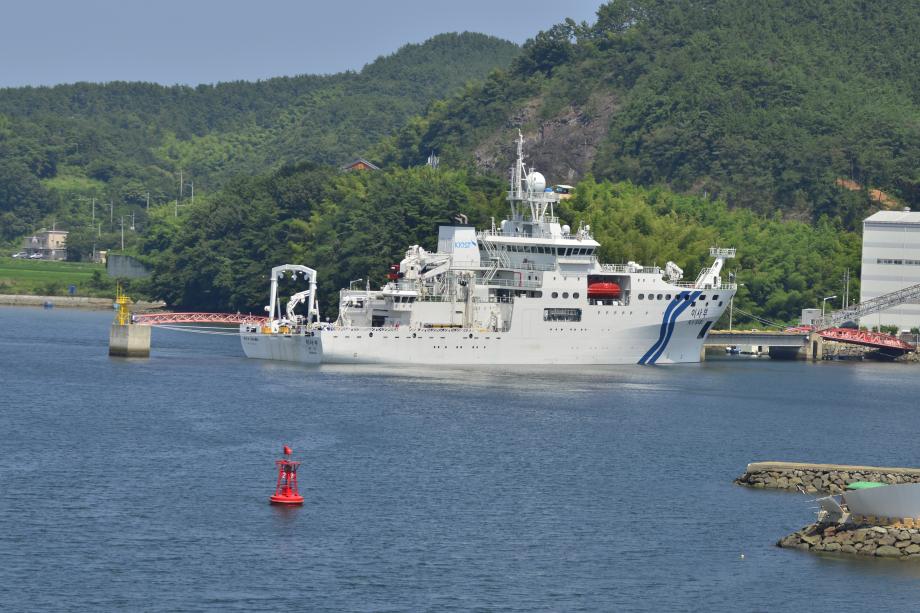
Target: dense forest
{"x": 771, "y": 126}
{"x": 784, "y": 105}
{"x": 125, "y": 143}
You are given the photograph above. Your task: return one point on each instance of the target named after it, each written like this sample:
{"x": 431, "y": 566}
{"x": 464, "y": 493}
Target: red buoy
{"x": 605, "y": 290}
{"x": 286, "y": 487}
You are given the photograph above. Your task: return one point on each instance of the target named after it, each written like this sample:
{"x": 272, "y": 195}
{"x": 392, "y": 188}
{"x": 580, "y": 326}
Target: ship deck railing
{"x": 685, "y": 285}
{"x": 626, "y": 268}
{"x": 413, "y": 329}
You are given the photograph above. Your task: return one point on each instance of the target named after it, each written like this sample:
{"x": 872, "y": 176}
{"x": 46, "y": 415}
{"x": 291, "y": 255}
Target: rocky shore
{"x": 894, "y": 541}
{"x": 815, "y": 478}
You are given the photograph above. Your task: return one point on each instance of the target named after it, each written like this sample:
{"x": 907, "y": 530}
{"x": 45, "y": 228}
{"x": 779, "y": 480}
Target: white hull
{"x": 606, "y": 335}
{"x": 285, "y": 347}
{"x": 886, "y": 501}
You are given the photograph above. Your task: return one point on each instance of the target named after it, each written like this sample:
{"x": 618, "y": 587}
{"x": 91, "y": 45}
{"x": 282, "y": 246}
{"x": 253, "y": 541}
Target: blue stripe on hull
{"x": 672, "y": 323}
{"x": 677, "y": 306}
{"x": 663, "y": 331}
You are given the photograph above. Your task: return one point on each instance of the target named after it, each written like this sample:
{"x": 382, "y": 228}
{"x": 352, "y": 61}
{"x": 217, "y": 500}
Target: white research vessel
{"x": 527, "y": 292}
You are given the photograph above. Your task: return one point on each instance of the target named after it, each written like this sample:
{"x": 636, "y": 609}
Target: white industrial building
{"x": 891, "y": 261}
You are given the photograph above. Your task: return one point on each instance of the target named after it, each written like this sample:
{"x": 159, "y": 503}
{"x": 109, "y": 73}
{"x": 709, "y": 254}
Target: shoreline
{"x": 73, "y": 302}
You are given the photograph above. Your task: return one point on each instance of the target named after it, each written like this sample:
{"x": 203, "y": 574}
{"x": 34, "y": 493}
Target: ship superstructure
{"x": 530, "y": 291}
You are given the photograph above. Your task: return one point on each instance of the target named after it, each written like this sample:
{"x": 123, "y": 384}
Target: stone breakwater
{"x": 814, "y": 478}
{"x": 893, "y": 541}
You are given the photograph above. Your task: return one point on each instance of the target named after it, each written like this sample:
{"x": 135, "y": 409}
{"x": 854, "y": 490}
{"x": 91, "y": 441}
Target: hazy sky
{"x": 45, "y": 42}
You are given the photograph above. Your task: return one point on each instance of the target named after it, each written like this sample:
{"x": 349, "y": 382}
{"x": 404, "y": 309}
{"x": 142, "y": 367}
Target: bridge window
{"x": 561, "y": 314}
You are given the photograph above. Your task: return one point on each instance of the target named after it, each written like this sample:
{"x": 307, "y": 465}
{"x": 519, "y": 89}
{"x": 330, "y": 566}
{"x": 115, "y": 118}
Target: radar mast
{"x": 528, "y": 188}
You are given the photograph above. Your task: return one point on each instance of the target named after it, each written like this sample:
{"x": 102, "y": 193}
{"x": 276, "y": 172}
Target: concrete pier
{"x": 129, "y": 340}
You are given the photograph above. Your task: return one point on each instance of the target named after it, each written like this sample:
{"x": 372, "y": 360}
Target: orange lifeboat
{"x": 603, "y": 290}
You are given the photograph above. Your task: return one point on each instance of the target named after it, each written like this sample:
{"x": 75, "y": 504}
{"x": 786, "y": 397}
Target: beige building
{"x": 50, "y": 244}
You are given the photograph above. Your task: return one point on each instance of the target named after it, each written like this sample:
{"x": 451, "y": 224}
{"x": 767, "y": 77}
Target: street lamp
{"x": 824, "y": 302}
{"x": 352, "y": 283}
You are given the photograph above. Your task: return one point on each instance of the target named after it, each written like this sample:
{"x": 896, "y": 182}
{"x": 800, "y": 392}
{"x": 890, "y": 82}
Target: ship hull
{"x": 284, "y": 347}
{"x": 606, "y": 336}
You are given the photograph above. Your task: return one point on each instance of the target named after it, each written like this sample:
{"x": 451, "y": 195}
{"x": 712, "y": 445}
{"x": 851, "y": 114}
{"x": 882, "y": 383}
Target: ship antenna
{"x": 518, "y": 174}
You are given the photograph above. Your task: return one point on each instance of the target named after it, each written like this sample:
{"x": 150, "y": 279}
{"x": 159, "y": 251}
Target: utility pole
{"x": 148, "y": 202}
{"x": 846, "y": 289}
{"x": 111, "y": 213}
{"x": 94, "y": 211}
{"x": 193, "y": 192}
{"x": 122, "y": 232}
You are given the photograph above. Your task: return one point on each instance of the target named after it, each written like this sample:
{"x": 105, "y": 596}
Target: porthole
{"x": 660, "y": 297}
{"x": 667, "y": 296}
{"x": 369, "y": 334}
{"x": 565, "y": 294}
{"x": 641, "y": 296}
{"x": 575, "y": 295}
{"x": 555, "y": 294}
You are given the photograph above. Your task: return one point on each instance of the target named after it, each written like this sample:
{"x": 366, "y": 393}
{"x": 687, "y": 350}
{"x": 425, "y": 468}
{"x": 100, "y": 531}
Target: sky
{"x": 47, "y": 42}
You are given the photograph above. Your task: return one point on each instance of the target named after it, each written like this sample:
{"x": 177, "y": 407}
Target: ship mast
{"x": 528, "y": 187}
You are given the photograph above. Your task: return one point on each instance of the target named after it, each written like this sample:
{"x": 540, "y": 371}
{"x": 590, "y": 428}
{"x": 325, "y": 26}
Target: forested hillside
{"x": 764, "y": 103}
{"x": 771, "y": 126}
{"x": 119, "y": 141}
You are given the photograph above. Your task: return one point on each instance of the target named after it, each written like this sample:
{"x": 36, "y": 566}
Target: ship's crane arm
{"x": 295, "y": 301}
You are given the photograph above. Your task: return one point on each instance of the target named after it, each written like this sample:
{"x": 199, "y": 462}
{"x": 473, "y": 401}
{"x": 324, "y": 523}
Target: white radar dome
{"x": 566, "y": 229}
{"x": 536, "y": 182}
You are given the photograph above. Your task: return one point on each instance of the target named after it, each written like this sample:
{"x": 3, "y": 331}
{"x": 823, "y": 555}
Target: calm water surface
{"x": 143, "y": 484}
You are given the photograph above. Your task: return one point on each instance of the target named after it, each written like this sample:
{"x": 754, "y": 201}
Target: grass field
{"x": 50, "y": 278}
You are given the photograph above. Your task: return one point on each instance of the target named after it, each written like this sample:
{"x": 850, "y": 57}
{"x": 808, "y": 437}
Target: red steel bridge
{"x": 164, "y": 319}
{"x": 885, "y": 343}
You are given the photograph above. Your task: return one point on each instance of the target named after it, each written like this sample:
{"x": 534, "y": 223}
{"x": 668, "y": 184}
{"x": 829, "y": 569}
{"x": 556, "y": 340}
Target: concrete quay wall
{"x": 80, "y": 302}
{"x": 814, "y": 478}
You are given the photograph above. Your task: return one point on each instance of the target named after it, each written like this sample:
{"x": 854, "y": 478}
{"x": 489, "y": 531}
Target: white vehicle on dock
{"x": 530, "y": 291}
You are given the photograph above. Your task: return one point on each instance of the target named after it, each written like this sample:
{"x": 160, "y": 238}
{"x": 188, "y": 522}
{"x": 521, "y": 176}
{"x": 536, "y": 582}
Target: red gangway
{"x": 159, "y": 319}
